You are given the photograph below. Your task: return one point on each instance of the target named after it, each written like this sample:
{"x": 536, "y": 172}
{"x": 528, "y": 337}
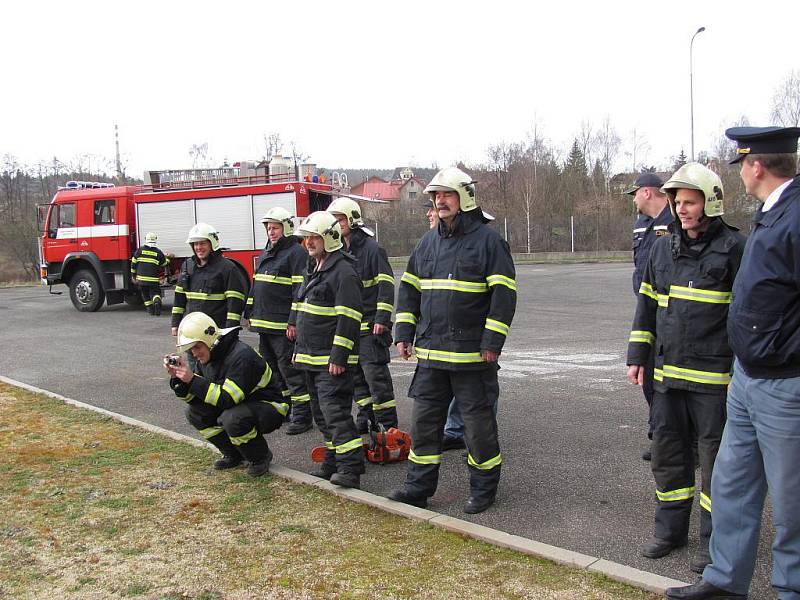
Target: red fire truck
{"x": 89, "y": 231}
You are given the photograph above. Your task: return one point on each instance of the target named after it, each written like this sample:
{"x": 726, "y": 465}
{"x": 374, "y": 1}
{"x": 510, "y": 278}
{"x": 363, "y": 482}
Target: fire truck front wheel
{"x": 86, "y": 291}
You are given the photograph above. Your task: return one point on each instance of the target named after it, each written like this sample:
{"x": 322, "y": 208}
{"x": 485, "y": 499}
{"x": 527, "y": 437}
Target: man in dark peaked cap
{"x": 760, "y": 447}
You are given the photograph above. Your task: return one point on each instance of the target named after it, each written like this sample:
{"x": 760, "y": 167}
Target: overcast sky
{"x": 378, "y": 83}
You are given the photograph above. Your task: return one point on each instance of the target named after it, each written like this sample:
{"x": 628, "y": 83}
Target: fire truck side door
{"x": 62, "y": 232}
{"x": 107, "y": 240}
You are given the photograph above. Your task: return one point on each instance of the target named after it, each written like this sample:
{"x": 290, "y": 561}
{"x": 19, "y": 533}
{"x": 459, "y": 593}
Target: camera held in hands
{"x": 172, "y": 360}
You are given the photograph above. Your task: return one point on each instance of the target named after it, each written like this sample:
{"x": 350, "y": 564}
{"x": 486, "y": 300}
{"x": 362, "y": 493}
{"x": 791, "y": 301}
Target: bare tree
{"x": 606, "y": 142}
{"x": 786, "y": 101}
{"x": 639, "y": 147}
{"x": 272, "y": 145}
{"x": 199, "y": 155}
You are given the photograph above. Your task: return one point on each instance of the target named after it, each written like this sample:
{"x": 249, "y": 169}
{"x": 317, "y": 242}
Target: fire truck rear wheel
{"x": 86, "y": 292}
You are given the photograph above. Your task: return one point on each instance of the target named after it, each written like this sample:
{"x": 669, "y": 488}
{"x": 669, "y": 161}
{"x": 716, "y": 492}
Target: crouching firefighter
{"x": 456, "y": 302}
{"x": 681, "y": 311}
{"x": 328, "y": 319}
{"x": 231, "y": 396}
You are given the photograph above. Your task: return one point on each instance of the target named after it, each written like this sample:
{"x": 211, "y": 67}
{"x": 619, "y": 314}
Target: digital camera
{"x": 172, "y": 360}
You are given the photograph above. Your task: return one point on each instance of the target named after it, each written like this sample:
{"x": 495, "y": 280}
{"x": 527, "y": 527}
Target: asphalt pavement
{"x": 572, "y": 428}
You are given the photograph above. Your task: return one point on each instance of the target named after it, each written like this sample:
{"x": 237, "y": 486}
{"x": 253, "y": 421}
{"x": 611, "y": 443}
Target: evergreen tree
{"x": 680, "y": 160}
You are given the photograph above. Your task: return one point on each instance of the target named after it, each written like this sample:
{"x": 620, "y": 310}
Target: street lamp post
{"x": 691, "y": 87}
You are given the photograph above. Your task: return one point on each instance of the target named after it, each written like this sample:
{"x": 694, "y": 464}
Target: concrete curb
{"x": 615, "y": 571}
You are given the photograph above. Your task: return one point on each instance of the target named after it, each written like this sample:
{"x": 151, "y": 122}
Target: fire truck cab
{"x": 89, "y": 231}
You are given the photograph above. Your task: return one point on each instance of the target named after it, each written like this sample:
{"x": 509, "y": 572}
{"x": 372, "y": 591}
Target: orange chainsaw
{"x": 381, "y": 446}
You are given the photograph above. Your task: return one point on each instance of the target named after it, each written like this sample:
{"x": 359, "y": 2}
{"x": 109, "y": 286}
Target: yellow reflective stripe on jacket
{"x": 238, "y": 440}
{"x": 695, "y": 375}
{"x": 187, "y": 397}
{"x": 144, "y": 259}
{"x": 406, "y": 317}
{"x": 686, "y": 493}
{"x": 233, "y": 317}
{"x": 502, "y": 280}
{"x": 428, "y": 459}
{"x": 457, "y": 285}
{"x": 364, "y": 326}
{"x": 366, "y": 401}
{"x": 339, "y": 340}
{"x": 301, "y": 398}
{"x": 385, "y": 306}
{"x": 497, "y": 326}
{"x": 295, "y": 305}
{"x": 705, "y": 502}
{"x": 699, "y": 295}
{"x": 210, "y": 432}
{"x": 647, "y": 290}
{"x": 663, "y": 300}
{"x": 444, "y": 356}
{"x": 384, "y": 405}
{"x": 643, "y": 337}
{"x": 316, "y": 309}
{"x": 273, "y": 278}
{"x": 249, "y": 301}
{"x": 411, "y": 280}
{"x": 178, "y": 310}
{"x": 235, "y": 294}
{"x": 297, "y": 279}
{"x": 204, "y": 296}
{"x": 352, "y": 359}
{"x": 266, "y": 376}
{"x": 308, "y": 359}
{"x": 486, "y": 465}
{"x": 329, "y": 445}
{"x": 179, "y": 290}
{"x": 234, "y": 391}
{"x": 212, "y": 394}
{"x": 148, "y": 279}
{"x": 346, "y": 311}
{"x": 268, "y": 324}
{"x": 150, "y": 252}
{"x": 353, "y": 444}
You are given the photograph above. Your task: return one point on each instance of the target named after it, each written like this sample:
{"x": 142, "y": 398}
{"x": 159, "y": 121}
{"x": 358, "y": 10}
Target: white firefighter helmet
{"x": 455, "y": 180}
{"x": 197, "y": 327}
{"x": 204, "y": 231}
{"x": 348, "y": 207}
{"x": 694, "y": 176}
{"x": 280, "y": 215}
{"x": 325, "y": 225}
{"x": 151, "y": 238}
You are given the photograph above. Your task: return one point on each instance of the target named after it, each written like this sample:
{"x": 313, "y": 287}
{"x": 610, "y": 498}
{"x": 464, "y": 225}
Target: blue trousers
{"x": 760, "y": 453}
{"x": 454, "y": 426}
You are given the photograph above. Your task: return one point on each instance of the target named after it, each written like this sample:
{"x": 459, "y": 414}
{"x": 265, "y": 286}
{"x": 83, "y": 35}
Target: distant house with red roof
{"x": 401, "y": 191}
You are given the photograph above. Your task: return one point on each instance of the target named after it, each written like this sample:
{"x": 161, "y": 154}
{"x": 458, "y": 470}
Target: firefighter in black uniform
{"x": 653, "y": 220}
{"x": 455, "y": 306}
{"x": 761, "y": 445}
{"x": 232, "y": 398}
{"x": 209, "y": 282}
{"x": 374, "y": 392}
{"x": 682, "y": 310}
{"x": 276, "y": 282}
{"x": 146, "y": 264}
{"x": 328, "y": 319}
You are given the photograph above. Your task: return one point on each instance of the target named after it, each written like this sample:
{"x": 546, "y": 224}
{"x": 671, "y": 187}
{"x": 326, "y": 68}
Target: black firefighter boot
{"x": 702, "y": 557}
{"x": 258, "y": 455}
{"x": 231, "y": 457}
{"x": 157, "y": 306}
{"x": 150, "y": 309}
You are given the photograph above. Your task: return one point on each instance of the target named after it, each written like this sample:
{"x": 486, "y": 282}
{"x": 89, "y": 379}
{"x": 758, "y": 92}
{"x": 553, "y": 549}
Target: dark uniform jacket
{"x": 146, "y": 263}
{"x": 764, "y": 320}
{"x": 646, "y": 231}
{"x": 682, "y": 309}
{"x": 217, "y": 289}
{"x": 328, "y": 315}
{"x": 235, "y": 374}
{"x": 377, "y": 281}
{"x": 458, "y": 295}
{"x": 276, "y": 283}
